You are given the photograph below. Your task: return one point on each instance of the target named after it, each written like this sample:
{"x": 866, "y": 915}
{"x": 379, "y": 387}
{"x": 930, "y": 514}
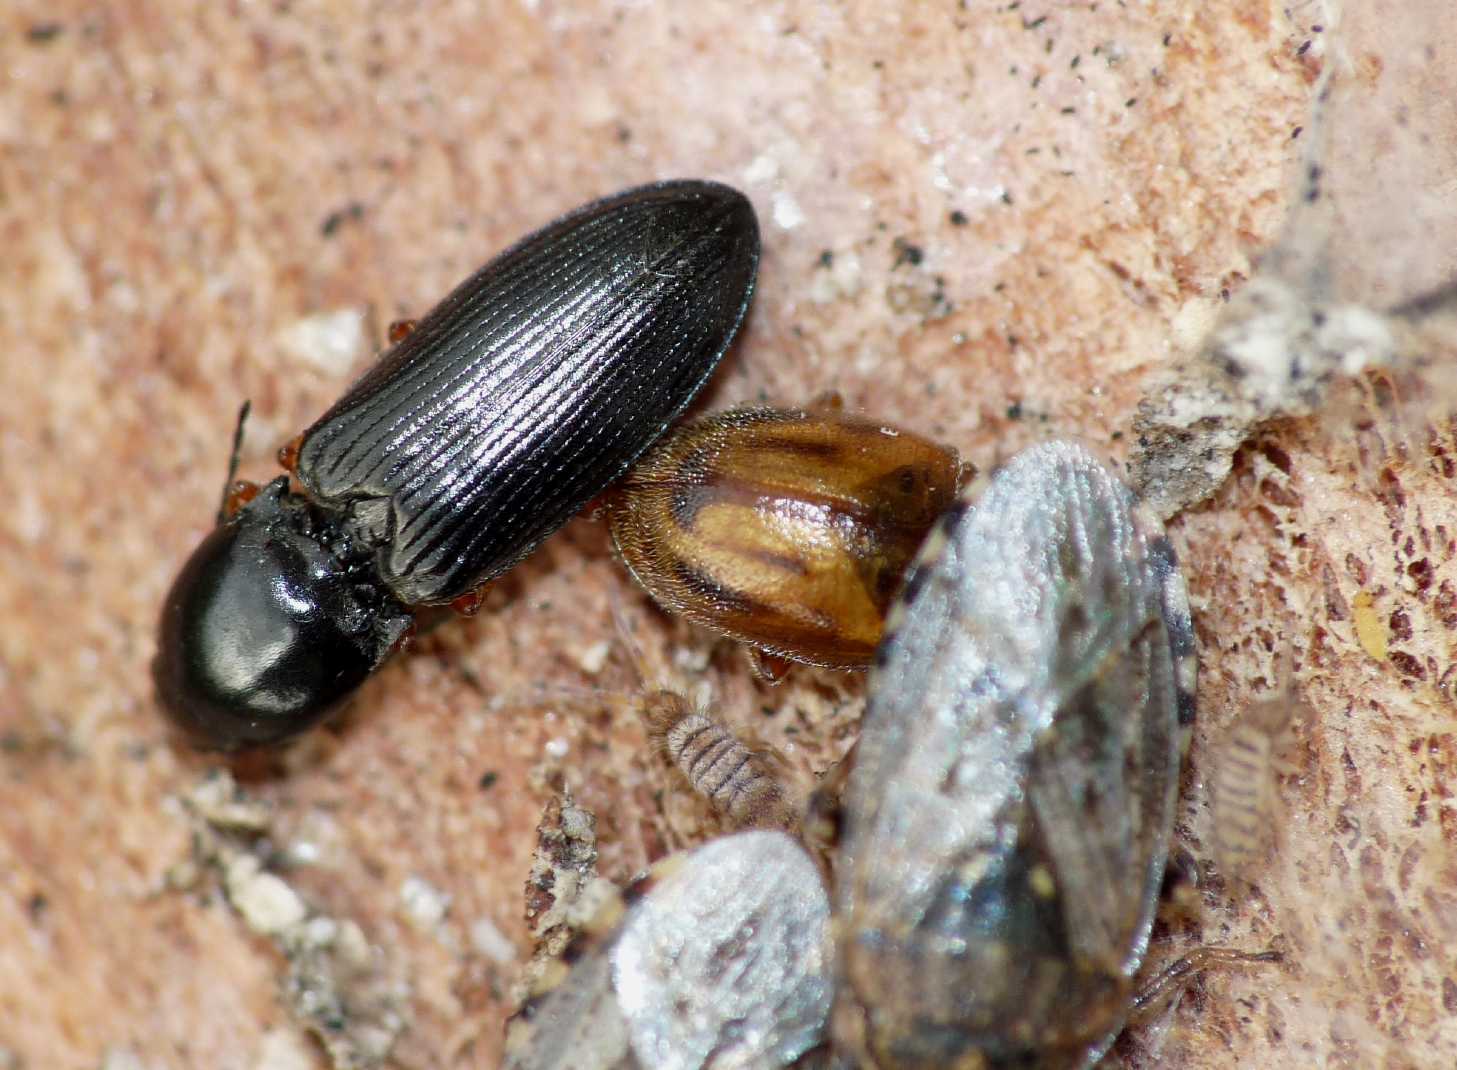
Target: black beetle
{"x": 527, "y": 391}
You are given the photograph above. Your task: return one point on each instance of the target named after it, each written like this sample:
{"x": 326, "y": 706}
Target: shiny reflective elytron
{"x": 527, "y": 391}
{"x": 788, "y": 529}
{"x": 721, "y": 959}
{"x": 1008, "y": 815}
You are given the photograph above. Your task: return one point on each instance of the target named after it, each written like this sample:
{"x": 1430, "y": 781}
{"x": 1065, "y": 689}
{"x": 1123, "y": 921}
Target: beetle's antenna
{"x": 628, "y": 638}
{"x": 233, "y": 459}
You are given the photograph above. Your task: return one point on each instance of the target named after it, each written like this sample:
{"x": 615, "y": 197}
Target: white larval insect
{"x": 742, "y": 783}
{"x": 1243, "y": 787}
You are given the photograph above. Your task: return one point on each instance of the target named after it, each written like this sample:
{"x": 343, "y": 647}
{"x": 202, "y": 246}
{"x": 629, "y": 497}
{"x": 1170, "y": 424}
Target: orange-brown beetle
{"x": 788, "y": 529}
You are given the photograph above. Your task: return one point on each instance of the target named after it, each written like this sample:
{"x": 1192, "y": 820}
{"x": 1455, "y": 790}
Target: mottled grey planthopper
{"x": 720, "y": 958}
{"x": 1008, "y": 814}
{"x": 519, "y": 398}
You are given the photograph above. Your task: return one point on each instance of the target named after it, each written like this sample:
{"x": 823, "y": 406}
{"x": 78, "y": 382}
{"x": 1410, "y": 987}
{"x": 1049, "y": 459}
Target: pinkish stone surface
{"x": 994, "y": 223}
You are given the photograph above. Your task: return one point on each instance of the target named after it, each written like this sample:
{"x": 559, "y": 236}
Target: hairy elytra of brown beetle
{"x": 788, "y": 529}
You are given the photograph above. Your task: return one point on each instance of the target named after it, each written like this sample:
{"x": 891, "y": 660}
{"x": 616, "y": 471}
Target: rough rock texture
{"x": 1348, "y": 286}
{"x": 993, "y": 222}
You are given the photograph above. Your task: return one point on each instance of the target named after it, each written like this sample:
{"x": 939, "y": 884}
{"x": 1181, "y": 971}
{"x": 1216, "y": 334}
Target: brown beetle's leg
{"x": 237, "y": 494}
{"x": 769, "y": 667}
{"x": 399, "y": 330}
{"x": 288, "y": 454}
{"x": 469, "y": 604}
{"x": 598, "y": 508}
{"x": 966, "y": 472}
{"x": 1155, "y": 994}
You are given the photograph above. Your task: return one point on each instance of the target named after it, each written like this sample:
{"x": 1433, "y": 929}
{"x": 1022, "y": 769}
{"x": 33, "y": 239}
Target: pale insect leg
{"x": 1158, "y": 992}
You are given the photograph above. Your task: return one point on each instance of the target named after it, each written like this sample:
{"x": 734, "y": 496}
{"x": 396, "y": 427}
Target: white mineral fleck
{"x": 329, "y": 341}
{"x": 425, "y": 905}
{"x": 266, "y": 902}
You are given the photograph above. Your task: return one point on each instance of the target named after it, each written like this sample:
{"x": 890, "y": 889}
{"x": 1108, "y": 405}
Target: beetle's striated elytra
{"x": 788, "y": 529}
{"x": 1008, "y": 814}
{"x": 720, "y": 958}
{"x": 528, "y": 390}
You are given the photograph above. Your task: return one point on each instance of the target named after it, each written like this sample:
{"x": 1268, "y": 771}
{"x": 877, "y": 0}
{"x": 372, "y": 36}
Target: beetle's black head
{"x": 270, "y": 625}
